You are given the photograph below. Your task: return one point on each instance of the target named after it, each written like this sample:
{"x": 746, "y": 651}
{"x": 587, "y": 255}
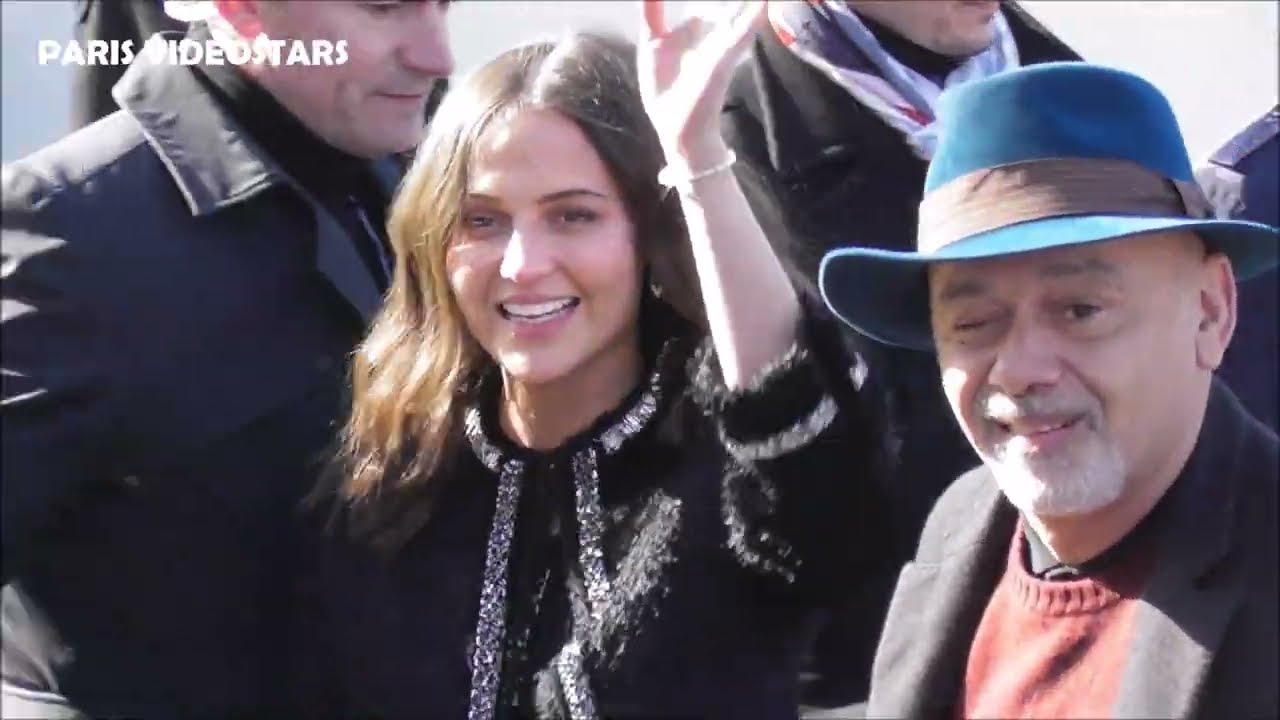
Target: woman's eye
{"x": 481, "y": 224}
{"x": 578, "y": 215}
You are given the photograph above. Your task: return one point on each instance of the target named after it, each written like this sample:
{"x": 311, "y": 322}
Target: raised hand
{"x": 684, "y": 74}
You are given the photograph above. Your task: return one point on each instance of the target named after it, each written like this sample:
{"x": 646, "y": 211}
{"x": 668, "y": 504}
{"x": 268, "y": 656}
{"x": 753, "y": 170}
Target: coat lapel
{"x": 336, "y": 256}
{"x": 178, "y": 117}
{"x": 807, "y": 119}
{"x": 341, "y": 265}
{"x": 937, "y": 605}
{"x": 1186, "y": 605}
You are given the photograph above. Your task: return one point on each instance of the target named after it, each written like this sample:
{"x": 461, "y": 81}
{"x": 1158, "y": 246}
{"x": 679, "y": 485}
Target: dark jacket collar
{"x": 216, "y": 165}
{"x": 212, "y": 160}
{"x": 1188, "y": 602}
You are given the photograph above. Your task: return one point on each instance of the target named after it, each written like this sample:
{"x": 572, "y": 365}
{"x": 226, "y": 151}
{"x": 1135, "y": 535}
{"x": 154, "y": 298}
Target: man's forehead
{"x": 959, "y": 279}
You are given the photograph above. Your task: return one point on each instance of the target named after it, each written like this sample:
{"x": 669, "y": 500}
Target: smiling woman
{"x": 544, "y": 261}
{"x": 526, "y": 191}
{"x": 588, "y": 473}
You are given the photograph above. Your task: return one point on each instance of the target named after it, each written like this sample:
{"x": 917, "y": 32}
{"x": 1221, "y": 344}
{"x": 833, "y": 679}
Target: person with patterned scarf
{"x": 833, "y": 117}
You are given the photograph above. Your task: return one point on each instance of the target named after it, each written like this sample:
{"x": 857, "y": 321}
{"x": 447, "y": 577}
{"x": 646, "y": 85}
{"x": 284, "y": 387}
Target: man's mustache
{"x": 998, "y": 406}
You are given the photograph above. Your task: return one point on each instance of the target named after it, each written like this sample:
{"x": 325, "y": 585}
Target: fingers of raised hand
{"x": 655, "y": 24}
{"x": 720, "y": 39}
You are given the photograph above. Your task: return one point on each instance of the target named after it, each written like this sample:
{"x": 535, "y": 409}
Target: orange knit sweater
{"x": 1052, "y": 649}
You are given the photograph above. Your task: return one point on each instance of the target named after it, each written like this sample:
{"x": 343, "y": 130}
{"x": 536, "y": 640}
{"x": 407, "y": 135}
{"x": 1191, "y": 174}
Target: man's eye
{"x": 380, "y": 7}
{"x": 970, "y": 325}
{"x": 1081, "y": 311}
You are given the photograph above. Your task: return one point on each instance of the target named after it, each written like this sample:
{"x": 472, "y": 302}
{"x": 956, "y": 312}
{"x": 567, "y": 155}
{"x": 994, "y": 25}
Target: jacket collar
{"x": 938, "y": 603}
{"x": 213, "y": 163}
{"x": 1192, "y": 592}
{"x": 216, "y": 165}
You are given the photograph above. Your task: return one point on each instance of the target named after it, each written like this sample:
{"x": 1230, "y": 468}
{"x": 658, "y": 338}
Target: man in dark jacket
{"x": 183, "y": 282}
{"x": 1242, "y": 181}
{"x": 833, "y": 117}
{"x": 1115, "y": 555}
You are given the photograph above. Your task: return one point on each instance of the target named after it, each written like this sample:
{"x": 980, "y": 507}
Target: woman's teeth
{"x": 536, "y": 311}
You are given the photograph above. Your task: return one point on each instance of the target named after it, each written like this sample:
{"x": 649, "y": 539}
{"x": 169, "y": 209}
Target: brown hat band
{"x": 997, "y": 197}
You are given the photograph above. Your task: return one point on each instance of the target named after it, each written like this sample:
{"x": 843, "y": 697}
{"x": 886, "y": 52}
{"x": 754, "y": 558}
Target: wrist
{"x": 699, "y": 153}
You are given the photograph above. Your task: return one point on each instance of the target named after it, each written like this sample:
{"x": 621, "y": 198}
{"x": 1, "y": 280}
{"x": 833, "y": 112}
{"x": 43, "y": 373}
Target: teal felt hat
{"x": 1040, "y": 157}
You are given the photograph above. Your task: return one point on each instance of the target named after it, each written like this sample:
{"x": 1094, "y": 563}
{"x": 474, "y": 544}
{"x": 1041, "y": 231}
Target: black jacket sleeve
{"x": 56, "y": 391}
{"x": 802, "y": 492}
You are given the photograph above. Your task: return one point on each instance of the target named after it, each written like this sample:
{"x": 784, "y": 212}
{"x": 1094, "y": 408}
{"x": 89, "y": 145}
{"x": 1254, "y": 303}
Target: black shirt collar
{"x": 1042, "y": 563}
{"x": 928, "y": 63}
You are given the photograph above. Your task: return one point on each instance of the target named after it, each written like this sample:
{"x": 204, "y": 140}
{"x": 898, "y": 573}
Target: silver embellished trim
{"x": 586, "y": 478}
{"x": 789, "y": 440}
{"x": 639, "y": 416}
{"x": 486, "y": 658}
{"x": 488, "y": 453}
{"x": 573, "y": 681}
{"x": 632, "y": 422}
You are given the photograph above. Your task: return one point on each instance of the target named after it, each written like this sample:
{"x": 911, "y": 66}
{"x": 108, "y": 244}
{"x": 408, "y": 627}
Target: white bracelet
{"x": 674, "y": 176}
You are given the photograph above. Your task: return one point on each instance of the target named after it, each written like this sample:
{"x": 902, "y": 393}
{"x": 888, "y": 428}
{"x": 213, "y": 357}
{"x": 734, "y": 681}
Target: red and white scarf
{"x": 830, "y": 37}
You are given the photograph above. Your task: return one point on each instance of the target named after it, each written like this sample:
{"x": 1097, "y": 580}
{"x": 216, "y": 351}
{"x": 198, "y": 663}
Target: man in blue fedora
{"x": 1115, "y": 555}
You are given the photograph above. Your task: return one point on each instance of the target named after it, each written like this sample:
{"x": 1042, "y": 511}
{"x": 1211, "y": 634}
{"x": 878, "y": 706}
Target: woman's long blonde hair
{"x": 412, "y": 374}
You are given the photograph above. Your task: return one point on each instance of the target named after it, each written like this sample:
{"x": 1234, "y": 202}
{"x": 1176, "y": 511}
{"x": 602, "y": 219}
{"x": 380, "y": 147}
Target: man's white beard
{"x": 1078, "y": 480}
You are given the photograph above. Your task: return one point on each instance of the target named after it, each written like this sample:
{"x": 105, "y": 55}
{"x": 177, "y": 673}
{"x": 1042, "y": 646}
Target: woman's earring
{"x": 655, "y": 289}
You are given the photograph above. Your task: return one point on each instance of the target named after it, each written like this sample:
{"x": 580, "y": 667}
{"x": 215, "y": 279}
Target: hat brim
{"x": 885, "y": 294}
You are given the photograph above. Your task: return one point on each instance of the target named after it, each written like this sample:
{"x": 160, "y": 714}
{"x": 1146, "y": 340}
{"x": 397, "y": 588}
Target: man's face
{"x": 1071, "y": 370}
{"x": 957, "y": 28}
{"x": 375, "y": 103}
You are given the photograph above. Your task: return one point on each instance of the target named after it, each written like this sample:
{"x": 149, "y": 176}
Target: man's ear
{"x": 242, "y": 16}
{"x": 1217, "y": 310}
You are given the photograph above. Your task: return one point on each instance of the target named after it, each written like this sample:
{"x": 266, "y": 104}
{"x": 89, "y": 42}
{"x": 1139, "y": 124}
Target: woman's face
{"x": 543, "y": 262}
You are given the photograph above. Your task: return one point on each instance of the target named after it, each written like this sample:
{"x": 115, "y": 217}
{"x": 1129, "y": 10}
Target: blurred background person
{"x": 1240, "y": 180}
{"x": 183, "y": 283}
{"x": 835, "y": 113}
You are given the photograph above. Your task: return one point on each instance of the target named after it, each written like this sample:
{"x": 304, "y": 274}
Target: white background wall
{"x": 1216, "y": 60}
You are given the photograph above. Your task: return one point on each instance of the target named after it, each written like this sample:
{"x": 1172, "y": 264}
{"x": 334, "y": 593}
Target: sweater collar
{"x": 609, "y": 433}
